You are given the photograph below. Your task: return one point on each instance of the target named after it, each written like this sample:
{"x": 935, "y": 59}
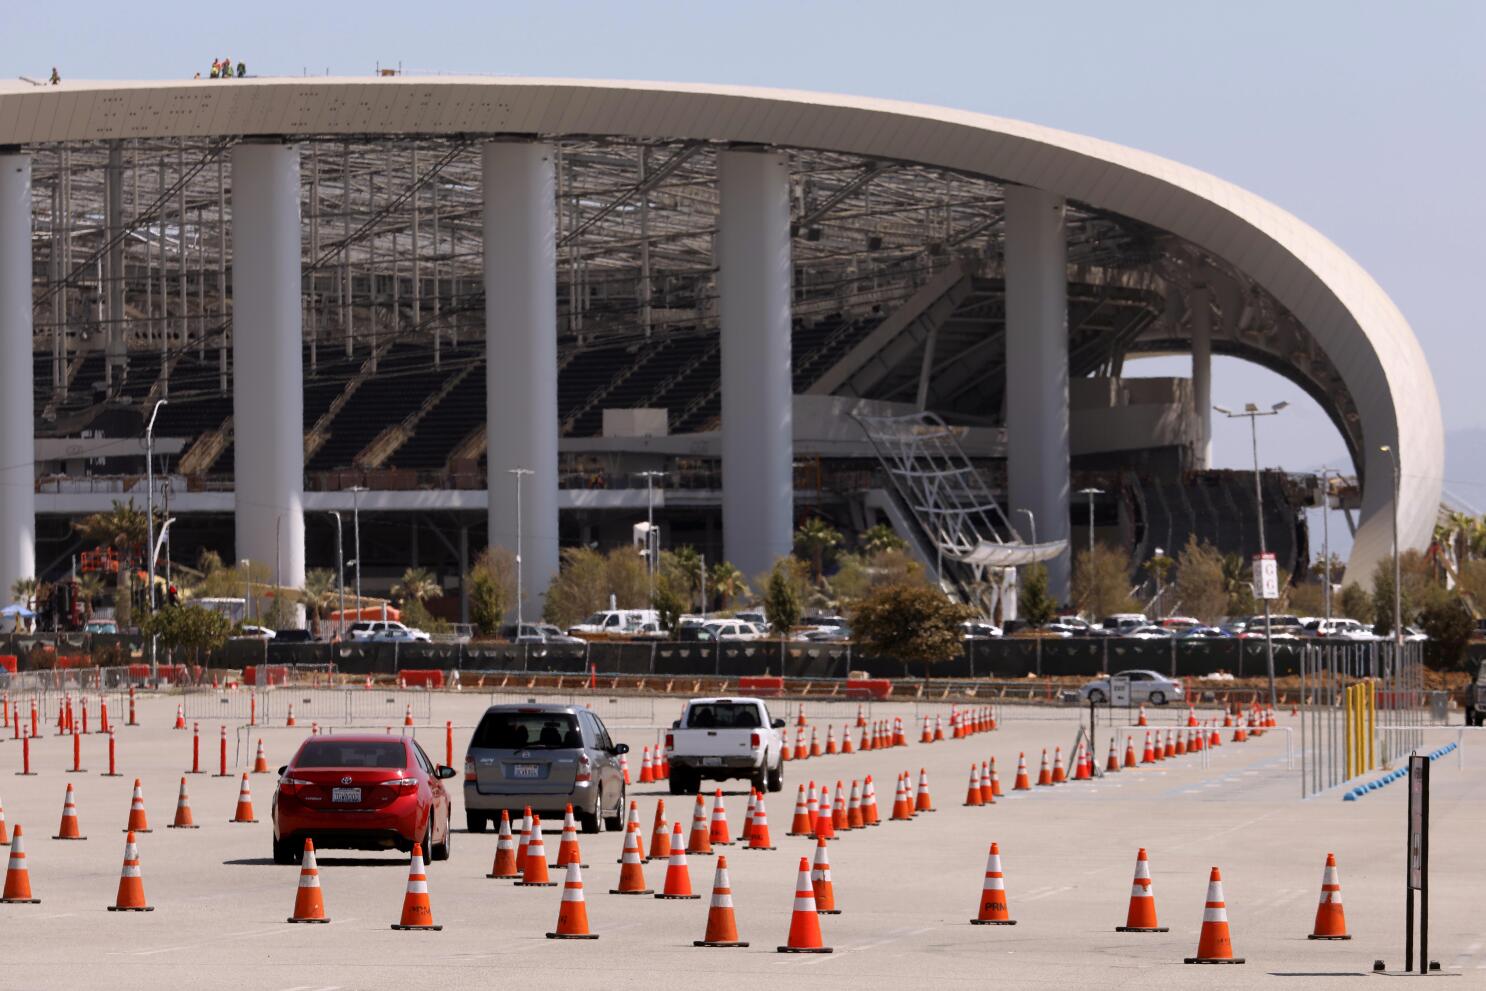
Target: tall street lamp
{"x": 340, "y": 571}
{"x": 149, "y": 471}
{"x": 356, "y": 491}
{"x": 1091, "y": 493}
{"x": 1253, "y": 413}
{"x": 1326, "y": 542}
{"x": 1397, "y": 569}
{"x": 652, "y": 546}
{"x": 520, "y": 473}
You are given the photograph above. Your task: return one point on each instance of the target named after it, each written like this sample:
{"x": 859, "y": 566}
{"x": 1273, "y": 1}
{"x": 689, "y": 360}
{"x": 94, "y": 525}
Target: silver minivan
{"x": 543, "y": 756}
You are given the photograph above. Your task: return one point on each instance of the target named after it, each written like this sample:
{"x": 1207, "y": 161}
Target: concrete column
{"x": 1037, "y": 369}
{"x": 17, "y": 438}
{"x": 521, "y": 348}
{"x": 753, "y": 256}
{"x": 268, "y": 388}
{"x": 1200, "y": 303}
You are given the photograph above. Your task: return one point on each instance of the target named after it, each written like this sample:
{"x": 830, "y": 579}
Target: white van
{"x": 616, "y": 621}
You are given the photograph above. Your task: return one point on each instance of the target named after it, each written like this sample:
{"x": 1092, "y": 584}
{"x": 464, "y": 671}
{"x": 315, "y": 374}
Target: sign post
{"x": 1418, "y": 879}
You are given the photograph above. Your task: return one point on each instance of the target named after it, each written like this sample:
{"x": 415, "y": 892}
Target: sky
{"x": 1365, "y": 119}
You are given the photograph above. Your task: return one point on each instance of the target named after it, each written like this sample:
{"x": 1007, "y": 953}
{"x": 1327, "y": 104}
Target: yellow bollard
{"x": 1372, "y": 709}
{"x": 1347, "y": 730}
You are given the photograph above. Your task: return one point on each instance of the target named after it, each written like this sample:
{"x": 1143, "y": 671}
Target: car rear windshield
{"x": 527, "y": 731}
{"x": 722, "y": 715}
{"x": 345, "y": 753}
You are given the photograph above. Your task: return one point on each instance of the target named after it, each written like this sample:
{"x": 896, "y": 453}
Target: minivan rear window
{"x": 722, "y": 715}
{"x": 345, "y": 753}
{"x": 527, "y": 731}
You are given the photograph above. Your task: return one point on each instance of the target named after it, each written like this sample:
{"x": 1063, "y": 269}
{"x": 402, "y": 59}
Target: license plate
{"x": 711, "y": 761}
{"x": 345, "y": 794}
{"x": 524, "y": 771}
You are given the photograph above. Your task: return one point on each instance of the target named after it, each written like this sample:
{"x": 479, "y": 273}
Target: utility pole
{"x": 340, "y": 571}
{"x": 356, "y": 491}
{"x": 1091, "y": 493}
{"x": 1326, "y": 541}
{"x": 1253, "y": 413}
{"x": 520, "y": 473}
{"x": 149, "y": 471}
{"x": 1397, "y": 569}
{"x": 652, "y": 545}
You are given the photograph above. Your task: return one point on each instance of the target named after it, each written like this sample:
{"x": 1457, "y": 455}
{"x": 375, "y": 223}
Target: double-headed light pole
{"x": 519, "y": 473}
{"x": 1253, "y": 412}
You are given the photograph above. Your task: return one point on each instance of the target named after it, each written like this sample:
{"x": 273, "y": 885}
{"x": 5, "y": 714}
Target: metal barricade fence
{"x": 382, "y": 705}
{"x": 634, "y": 710}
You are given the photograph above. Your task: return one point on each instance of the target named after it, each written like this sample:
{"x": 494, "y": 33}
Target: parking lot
{"x": 907, "y": 890}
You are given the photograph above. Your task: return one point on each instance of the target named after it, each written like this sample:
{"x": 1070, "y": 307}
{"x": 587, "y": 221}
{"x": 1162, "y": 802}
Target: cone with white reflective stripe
{"x": 505, "y": 865}
{"x": 820, "y": 879}
{"x": 1331, "y": 921}
{"x": 922, "y": 801}
{"x": 631, "y": 869}
{"x": 1141, "y": 918}
{"x": 68, "y": 829}
{"x": 660, "y": 834}
{"x": 523, "y": 840}
{"x": 718, "y": 832}
{"x": 869, "y": 803}
{"x": 4, "y": 834}
{"x": 244, "y": 811}
{"x": 722, "y": 926}
{"x": 131, "y": 883}
{"x": 804, "y": 923}
{"x": 17, "y": 875}
{"x": 138, "y": 821}
{"x": 567, "y": 847}
{"x": 1214, "y": 945}
{"x": 1023, "y": 781}
{"x": 758, "y": 835}
{"x": 748, "y": 817}
{"x": 678, "y": 874}
{"x": 260, "y": 760}
{"x": 699, "y": 843}
{"x": 800, "y": 824}
{"x": 534, "y": 869}
{"x": 417, "y": 913}
{"x": 309, "y": 902}
{"x": 972, "y": 792}
{"x": 572, "y": 914}
{"x": 993, "y": 908}
{"x": 183, "y": 818}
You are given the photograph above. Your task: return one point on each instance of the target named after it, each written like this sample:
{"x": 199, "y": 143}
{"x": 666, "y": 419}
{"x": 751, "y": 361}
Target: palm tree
{"x": 24, "y": 592}
{"x": 89, "y": 588}
{"x": 319, "y": 592}
{"x": 728, "y": 582}
{"x": 417, "y": 585}
{"x": 124, "y": 528}
{"x": 688, "y": 565}
{"x": 815, "y": 536}
{"x": 880, "y": 538}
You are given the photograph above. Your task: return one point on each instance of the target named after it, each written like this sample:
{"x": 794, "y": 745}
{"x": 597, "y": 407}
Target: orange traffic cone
{"x": 840, "y": 820}
{"x": 260, "y": 761}
{"x": 523, "y": 840}
{"x": 505, "y": 850}
{"x": 804, "y": 923}
{"x": 534, "y": 868}
{"x": 1170, "y": 750}
{"x": 722, "y": 927}
{"x": 131, "y": 883}
{"x": 1331, "y": 921}
{"x": 831, "y": 741}
{"x": 17, "y": 875}
{"x": 4, "y": 835}
{"x": 417, "y": 913}
{"x": 987, "y": 784}
{"x": 854, "y": 819}
{"x": 972, "y": 792}
{"x": 718, "y": 833}
{"x": 699, "y": 843}
{"x": 846, "y": 747}
{"x": 407, "y": 718}
{"x": 572, "y": 914}
{"x": 800, "y": 824}
{"x": 748, "y": 817}
{"x": 1112, "y": 764}
{"x": 922, "y": 802}
{"x": 1142, "y": 915}
{"x": 825, "y": 821}
{"x": 183, "y": 818}
{"x": 631, "y": 869}
{"x": 309, "y": 903}
{"x": 678, "y": 875}
{"x": 758, "y": 835}
{"x": 869, "y": 803}
{"x": 567, "y": 847}
{"x": 1130, "y": 760}
{"x": 1214, "y": 946}
{"x": 820, "y": 879}
{"x": 68, "y": 829}
{"x": 902, "y": 804}
{"x": 1022, "y": 781}
{"x": 647, "y": 769}
{"x": 244, "y": 812}
{"x": 1045, "y": 775}
{"x": 624, "y": 768}
{"x": 928, "y": 734}
{"x": 180, "y": 717}
{"x": 288, "y": 718}
{"x": 138, "y": 822}
{"x": 1059, "y": 774}
{"x": 993, "y": 910}
{"x": 1148, "y": 755}
{"x": 660, "y": 834}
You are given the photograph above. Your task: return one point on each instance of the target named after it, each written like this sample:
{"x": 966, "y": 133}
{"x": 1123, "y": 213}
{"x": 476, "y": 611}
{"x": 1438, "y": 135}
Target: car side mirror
{"x": 675, "y": 724}
{"x": 283, "y": 769}
{"x": 777, "y": 724}
{"x": 444, "y": 771}
{"x": 621, "y": 748}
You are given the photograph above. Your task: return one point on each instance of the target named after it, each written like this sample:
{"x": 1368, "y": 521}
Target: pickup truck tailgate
{"x": 715, "y": 742}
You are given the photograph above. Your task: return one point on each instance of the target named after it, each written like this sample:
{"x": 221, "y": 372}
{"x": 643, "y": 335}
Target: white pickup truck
{"x": 725, "y": 738}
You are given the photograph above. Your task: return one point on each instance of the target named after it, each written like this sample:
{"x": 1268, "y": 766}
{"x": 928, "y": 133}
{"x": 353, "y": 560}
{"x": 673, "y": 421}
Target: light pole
{"x": 149, "y": 472}
{"x": 520, "y": 473}
{"x": 1253, "y": 413}
{"x": 1091, "y": 493}
{"x": 652, "y": 546}
{"x": 340, "y": 571}
{"x": 1326, "y": 542}
{"x": 1397, "y": 575}
{"x": 356, "y": 491}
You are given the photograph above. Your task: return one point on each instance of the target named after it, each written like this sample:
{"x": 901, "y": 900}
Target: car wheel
{"x": 776, "y": 777}
{"x": 285, "y": 853}
{"x": 427, "y": 842}
{"x": 441, "y": 851}
{"x": 474, "y": 822}
{"x": 592, "y": 822}
{"x": 1096, "y": 696}
{"x": 1158, "y": 698}
{"x": 615, "y": 822}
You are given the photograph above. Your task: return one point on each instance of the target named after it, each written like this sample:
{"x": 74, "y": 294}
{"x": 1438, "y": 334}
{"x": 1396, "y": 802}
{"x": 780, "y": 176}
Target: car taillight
{"x": 289, "y": 786}
{"x": 404, "y": 786}
{"x": 585, "y": 769}
{"x": 670, "y": 743}
{"x": 754, "y": 741}
{"x": 469, "y": 769}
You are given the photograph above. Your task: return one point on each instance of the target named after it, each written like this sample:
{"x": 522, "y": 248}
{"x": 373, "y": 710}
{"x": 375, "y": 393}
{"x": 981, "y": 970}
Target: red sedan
{"x": 361, "y": 792}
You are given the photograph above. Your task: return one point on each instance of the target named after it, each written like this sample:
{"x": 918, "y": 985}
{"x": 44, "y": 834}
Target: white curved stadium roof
{"x": 1349, "y": 315}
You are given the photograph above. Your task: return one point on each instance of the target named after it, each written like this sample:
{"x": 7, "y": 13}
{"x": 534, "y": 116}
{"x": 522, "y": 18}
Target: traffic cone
{"x": 1045, "y": 775}
{"x": 869, "y": 803}
{"x": 17, "y": 875}
{"x": 854, "y": 818}
{"x": 1170, "y": 750}
{"x": 802, "y": 752}
{"x": 758, "y": 835}
{"x": 523, "y": 841}
{"x": 180, "y": 717}
{"x": 678, "y": 875}
{"x": 722, "y": 927}
{"x": 407, "y": 717}
{"x": 183, "y": 818}
{"x": 1215, "y": 739}
{"x": 699, "y": 843}
{"x": 567, "y": 847}
{"x": 922, "y": 802}
{"x": 902, "y": 804}
{"x": 1191, "y": 716}
{"x": 868, "y": 741}
{"x": 830, "y": 741}
{"x": 260, "y": 762}
{"x": 815, "y": 750}
{"x": 631, "y": 869}
{"x": 624, "y": 767}
{"x": 4, "y": 836}
{"x": 1240, "y": 733}
{"x": 804, "y": 923}
{"x": 846, "y": 747}
{"x": 534, "y": 868}
{"x": 309, "y": 903}
{"x": 938, "y": 728}
{"x": 1112, "y": 764}
{"x": 1142, "y": 915}
{"x": 288, "y": 719}
{"x": 1331, "y": 921}
{"x": 68, "y": 829}
{"x": 987, "y": 785}
{"x": 131, "y": 883}
{"x": 786, "y": 752}
{"x": 1023, "y": 782}
{"x": 1181, "y": 744}
{"x": 718, "y": 833}
{"x": 840, "y": 821}
{"x": 1214, "y": 946}
{"x": 993, "y": 910}
{"x": 1083, "y": 764}
{"x": 1130, "y": 760}
{"x": 928, "y": 734}
{"x": 899, "y": 739}
{"x": 800, "y": 824}
{"x": 572, "y": 914}
{"x": 748, "y": 817}
{"x": 1060, "y": 775}
{"x": 417, "y": 913}
{"x": 504, "y": 865}
{"x": 244, "y": 812}
{"x": 812, "y": 807}
{"x": 820, "y": 880}
{"x": 972, "y": 793}
{"x": 647, "y": 769}
{"x": 138, "y": 821}
{"x": 1142, "y": 720}
{"x": 1148, "y": 755}
{"x": 633, "y": 816}
{"x": 825, "y": 822}
{"x": 660, "y": 834}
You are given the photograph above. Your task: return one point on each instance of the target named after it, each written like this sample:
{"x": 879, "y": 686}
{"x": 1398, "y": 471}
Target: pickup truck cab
{"x": 725, "y": 738}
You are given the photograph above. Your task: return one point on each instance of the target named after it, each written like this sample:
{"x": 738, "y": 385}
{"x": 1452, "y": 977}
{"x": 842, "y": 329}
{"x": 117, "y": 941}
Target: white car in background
{"x": 1337, "y": 629}
{"x": 1148, "y": 632}
{"x": 730, "y": 630}
{"x": 386, "y": 631}
{"x": 1145, "y": 686}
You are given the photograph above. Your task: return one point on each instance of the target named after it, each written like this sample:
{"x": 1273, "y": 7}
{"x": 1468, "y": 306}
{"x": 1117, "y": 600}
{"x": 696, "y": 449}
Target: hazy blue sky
{"x": 1366, "y": 119}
